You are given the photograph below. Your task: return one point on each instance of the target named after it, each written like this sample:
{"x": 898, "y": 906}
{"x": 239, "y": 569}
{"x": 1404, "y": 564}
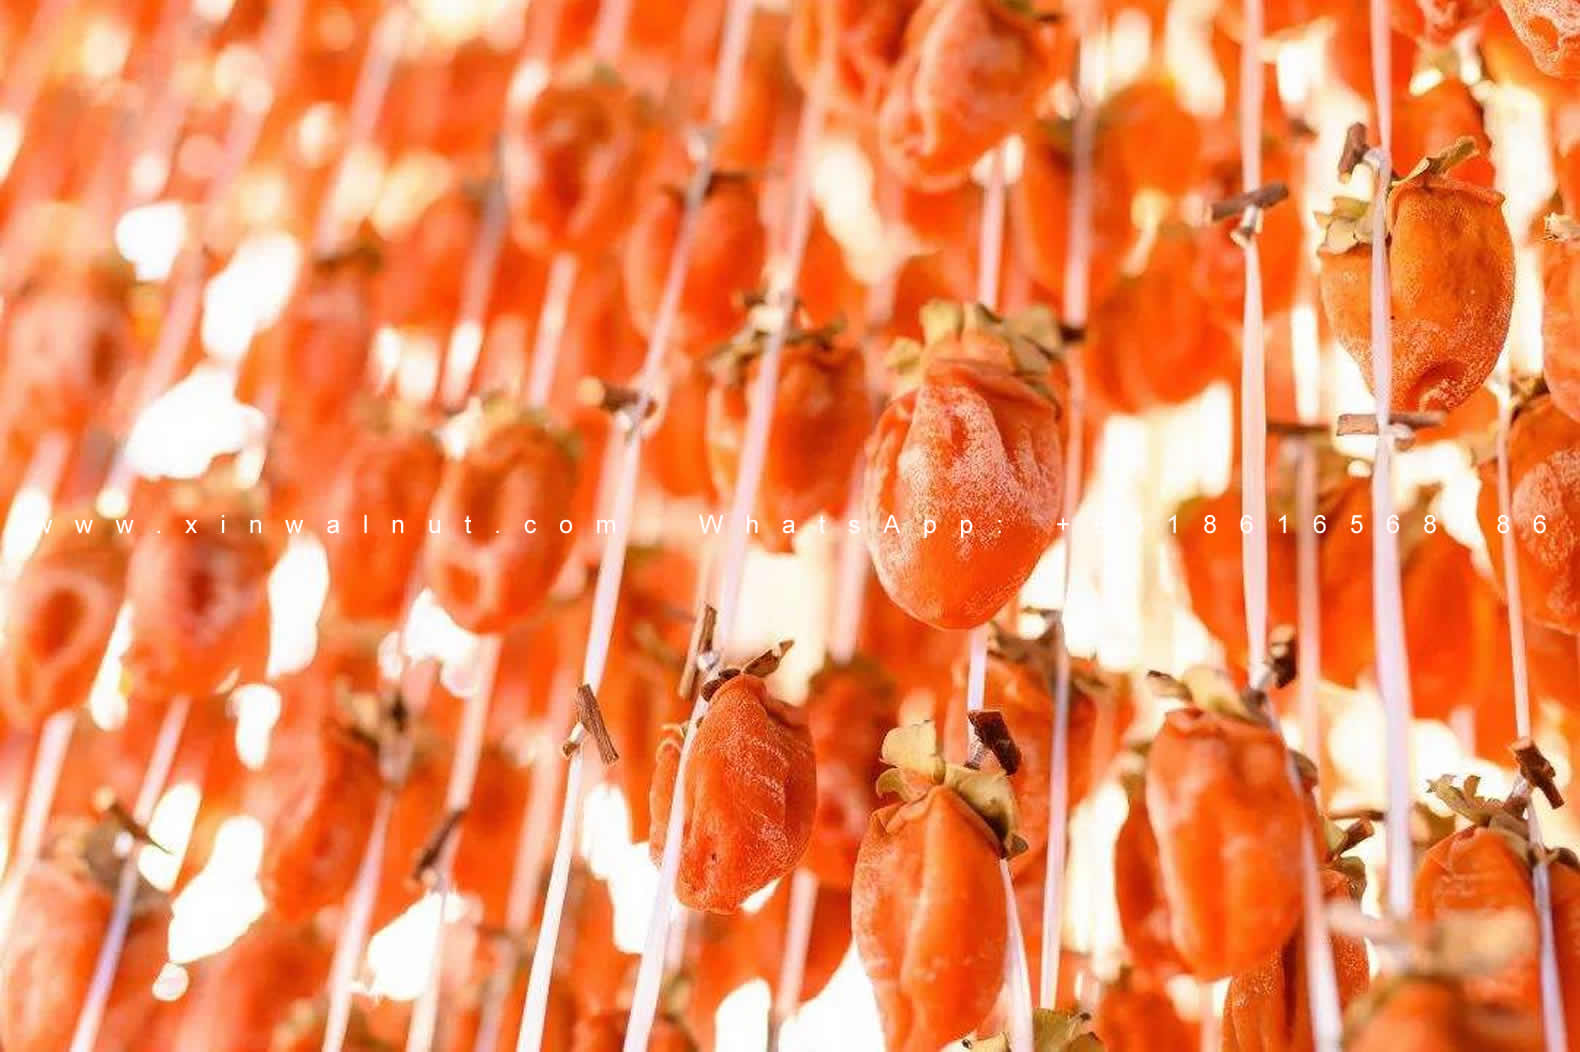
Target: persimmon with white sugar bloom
{"x": 928, "y": 905}
{"x": 750, "y": 792}
{"x": 1450, "y": 281}
{"x": 965, "y": 472}
{"x": 1544, "y": 502}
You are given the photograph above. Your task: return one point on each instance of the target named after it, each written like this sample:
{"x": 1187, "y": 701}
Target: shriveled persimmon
{"x": 928, "y": 905}
{"x": 1451, "y": 283}
{"x": 750, "y": 794}
{"x": 979, "y": 442}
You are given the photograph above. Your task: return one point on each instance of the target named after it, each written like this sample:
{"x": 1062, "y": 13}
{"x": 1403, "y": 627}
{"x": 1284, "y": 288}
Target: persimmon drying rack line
{"x": 1555, "y": 1025}
{"x": 1089, "y": 77}
{"x": 733, "y": 545}
{"x": 1017, "y": 977}
{"x": 55, "y": 736}
{"x": 373, "y": 84}
{"x": 1327, "y": 1022}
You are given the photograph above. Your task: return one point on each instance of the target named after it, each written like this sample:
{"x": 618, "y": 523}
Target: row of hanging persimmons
{"x": 979, "y": 434}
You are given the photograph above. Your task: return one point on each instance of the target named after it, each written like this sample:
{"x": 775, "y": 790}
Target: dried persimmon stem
{"x": 1296, "y": 429}
{"x": 992, "y": 734}
{"x": 611, "y": 397}
{"x": 1355, "y": 833}
{"x": 1262, "y": 197}
{"x": 1355, "y": 148}
{"x": 1536, "y": 770}
{"x": 426, "y": 871}
{"x": 701, "y": 644}
{"x": 589, "y": 716}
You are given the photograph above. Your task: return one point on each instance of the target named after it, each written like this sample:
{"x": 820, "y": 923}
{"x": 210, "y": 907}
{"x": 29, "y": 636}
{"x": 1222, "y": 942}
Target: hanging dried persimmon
{"x": 1451, "y": 283}
{"x": 750, "y": 793}
{"x": 500, "y": 509}
{"x": 1228, "y": 825}
{"x": 850, "y": 707}
{"x": 927, "y": 905}
{"x": 1545, "y": 518}
{"x": 821, "y": 416}
{"x": 969, "y": 73}
{"x": 978, "y": 445}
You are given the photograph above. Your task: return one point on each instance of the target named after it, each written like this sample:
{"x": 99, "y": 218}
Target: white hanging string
{"x": 1077, "y": 266}
{"x": 28, "y": 69}
{"x": 1393, "y": 681}
{"x": 56, "y": 734}
{"x": 1554, "y": 1023}
{"x": 86, "y": 1035}
{"x": 611, "y": 568}
{"x": 1322, "y": 985}
{"x": 748, "y": 476}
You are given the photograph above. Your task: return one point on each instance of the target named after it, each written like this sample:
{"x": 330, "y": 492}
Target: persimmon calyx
{"x": 1505, "y": 818}
{"x": 917, "y": 765}
{"x": 1208, "y": 689}
{"x": 1347, "y": 225}
{"x": 730, "y": 361}
{"x": 1562, "y": 228}
{"x": 1051, "y": 1032}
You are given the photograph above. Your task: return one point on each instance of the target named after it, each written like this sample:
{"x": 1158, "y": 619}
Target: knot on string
{"x": 1249, "y": 206}
{"x": 700, "y": 655}
{"x": 992, "y": 735}
{"x": 629, "y": 406}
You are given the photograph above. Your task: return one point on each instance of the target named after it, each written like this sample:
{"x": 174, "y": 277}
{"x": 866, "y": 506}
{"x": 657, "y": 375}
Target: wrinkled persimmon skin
{"x": 199, "y": 607}
{"x": 973, "y": 442}
{"x": 48, "y": 958}
{"x": 571, "y": 161}
{"x": 1432, "y": 121}
{"x": 849, "y": 710}
{"x": 66, "y": 345}
{"x": 1477, "y": 871}
{"x": 821, "y": 416}
{"x": 970, "y": 73}
{"x": 750, "y": 797}
{"x": 251, "y": 985}
{"x": 328, "y": 792}
{"x": 1550, "y": 31}
{"x": 1018, "y": 692}
{"x": 1435, "y": 23}
{"x": 606, "y": 1033}
{"x": 1544, "y": 457}
{"x": 869, "y": 39}
{"x": 1451, "y": 287}
{"x": 1228, "y": 827}
{"x": 1259, "y": 1015}
{"x": 1138, "y": 893}
{"x": 1136, "y": 1018}
{"x": 1154, "y": 339}
{"x": 725, "y": 265}
{"x": 928, "y": 912}
{"x": 387, "y": 475}
{"x": 493, "y": 574}
{"x": 1432, "y": 1015}
{"x": 1561, "y": 324}
{"x": 59, "y": 614}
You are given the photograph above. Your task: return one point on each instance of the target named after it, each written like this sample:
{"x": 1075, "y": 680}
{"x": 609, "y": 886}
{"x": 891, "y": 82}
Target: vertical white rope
{"x": 1393, "y": 681}
{"x": 354, "y": 929}
{"x": 28, "y": 70}
{"x": 1321, "y": 982}
{"x": 748, "y": 476}
{"x": 611, "y": 567}
{"x": 1077, "y": 266}
{"x": 1554, "y": 1024}
{"x": 1308, "y": 589}
{"x": 86, "y": 1035}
